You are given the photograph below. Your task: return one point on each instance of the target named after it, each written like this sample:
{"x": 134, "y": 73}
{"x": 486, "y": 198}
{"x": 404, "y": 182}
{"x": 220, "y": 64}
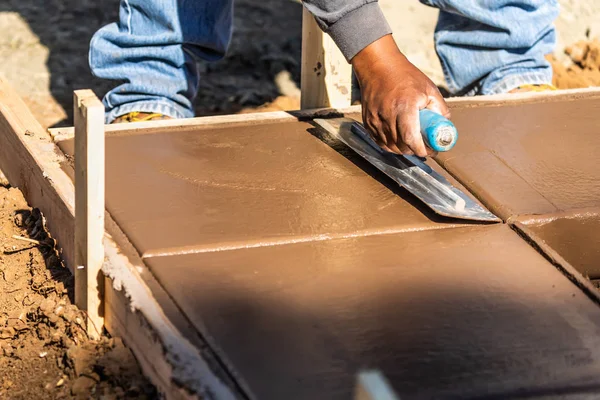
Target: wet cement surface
{"x": 301, "y": 264}
{"x": 456, "y": 313}
{"x": 574, "y": 236}
{"x": 529, "y": 158}
{"x": 258, "y": 185}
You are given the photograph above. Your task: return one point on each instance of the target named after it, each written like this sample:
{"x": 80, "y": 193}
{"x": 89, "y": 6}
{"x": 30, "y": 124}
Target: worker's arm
{"x": 393, "y": 90}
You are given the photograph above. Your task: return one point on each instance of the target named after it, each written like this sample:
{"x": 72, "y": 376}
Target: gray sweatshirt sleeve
{"x": 352, "y": 24}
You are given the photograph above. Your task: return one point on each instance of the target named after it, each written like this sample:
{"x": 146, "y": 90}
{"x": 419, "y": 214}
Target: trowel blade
{"x": 410, "y": 172}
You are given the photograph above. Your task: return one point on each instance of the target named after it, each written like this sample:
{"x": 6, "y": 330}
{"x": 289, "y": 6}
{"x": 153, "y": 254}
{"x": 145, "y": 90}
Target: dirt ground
{"x": 44, "y": 350}
{"x": 44, "y": 353}
{"x": 582, "y": 68}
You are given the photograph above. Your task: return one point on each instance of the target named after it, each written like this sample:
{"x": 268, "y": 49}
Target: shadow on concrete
{"x": 299, "y": 321}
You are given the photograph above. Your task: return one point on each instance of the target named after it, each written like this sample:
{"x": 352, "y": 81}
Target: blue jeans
{"x": 485, "y": 47}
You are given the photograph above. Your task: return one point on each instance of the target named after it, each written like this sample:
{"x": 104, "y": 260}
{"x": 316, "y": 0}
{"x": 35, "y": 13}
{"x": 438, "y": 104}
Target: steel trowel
{"x": 412, "y": 172}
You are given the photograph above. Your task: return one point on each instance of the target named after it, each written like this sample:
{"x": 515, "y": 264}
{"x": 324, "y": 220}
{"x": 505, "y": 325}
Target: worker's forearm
{"x": 352, "y": 24}
{"x": 382, "y": 54}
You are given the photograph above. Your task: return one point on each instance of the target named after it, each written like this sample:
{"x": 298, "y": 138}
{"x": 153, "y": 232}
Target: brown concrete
{"x": 182, "y": 191}
{"x": 304, "y": 264}
{"x": 575, "y": 236}
{"x": 469, "y": 312}
{"x": 529, "y": 158}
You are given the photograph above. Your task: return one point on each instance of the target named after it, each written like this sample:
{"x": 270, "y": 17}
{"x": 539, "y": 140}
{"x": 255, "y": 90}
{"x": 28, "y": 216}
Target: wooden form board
{"x": 153, "y": 328}
{"x": 31, "y": 162}
{"x": 59, "y": 134}
{"x": 326, "y": 76}
{"x": 89, "y": 207}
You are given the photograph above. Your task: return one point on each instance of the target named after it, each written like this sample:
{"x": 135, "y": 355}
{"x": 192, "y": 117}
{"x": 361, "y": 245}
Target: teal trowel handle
{"x": 438, "y": 132}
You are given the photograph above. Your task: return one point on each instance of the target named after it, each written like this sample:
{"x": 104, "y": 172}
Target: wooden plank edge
{"x": 88, "y": 113}
{"x": 172, "y": 363}
{"x": 222, "y": 121}
{"x": 326, "y": 76}
{"x": 31, "y": 162}
{"x": 211, "y": 122}
{"x": 169, "y": 307}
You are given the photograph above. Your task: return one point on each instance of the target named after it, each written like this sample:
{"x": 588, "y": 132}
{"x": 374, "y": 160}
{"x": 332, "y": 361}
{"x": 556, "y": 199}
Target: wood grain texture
{"x": 133, "y": 328}
{"x": 326, "y": 76}
{"x": 179, "y": 368}
{"x": 89, "y": 207}
{"x": 210, "y": 122}
{"x": 31, "y": 162}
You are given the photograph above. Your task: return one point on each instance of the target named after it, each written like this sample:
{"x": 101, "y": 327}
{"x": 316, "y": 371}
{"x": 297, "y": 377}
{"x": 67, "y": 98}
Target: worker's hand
{"x": 393, "y": 91}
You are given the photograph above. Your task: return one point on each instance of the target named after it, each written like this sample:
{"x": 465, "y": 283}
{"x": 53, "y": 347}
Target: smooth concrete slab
{"x": 461, "y": 313}
{"x": 529, "y": 158}
{"x": 574, "y": 235}
{"x": 196, "y": 190}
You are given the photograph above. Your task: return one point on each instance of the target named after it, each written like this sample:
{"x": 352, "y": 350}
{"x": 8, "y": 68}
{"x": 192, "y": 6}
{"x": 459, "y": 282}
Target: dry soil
{"x": 44, "y": 351}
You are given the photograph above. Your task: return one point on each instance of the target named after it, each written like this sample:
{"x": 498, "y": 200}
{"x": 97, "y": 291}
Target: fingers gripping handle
{"x": 439, "y": 133}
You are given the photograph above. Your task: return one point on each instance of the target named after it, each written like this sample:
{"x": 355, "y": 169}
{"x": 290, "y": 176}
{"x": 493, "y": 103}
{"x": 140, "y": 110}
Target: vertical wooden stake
{"x": 326, "y": 76}
{"x": 371, "y": 385}
{"x": 89, "y": 208}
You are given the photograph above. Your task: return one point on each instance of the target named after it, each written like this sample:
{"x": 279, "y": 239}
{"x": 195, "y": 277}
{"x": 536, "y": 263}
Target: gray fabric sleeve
{"x": 352, "y": 24}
